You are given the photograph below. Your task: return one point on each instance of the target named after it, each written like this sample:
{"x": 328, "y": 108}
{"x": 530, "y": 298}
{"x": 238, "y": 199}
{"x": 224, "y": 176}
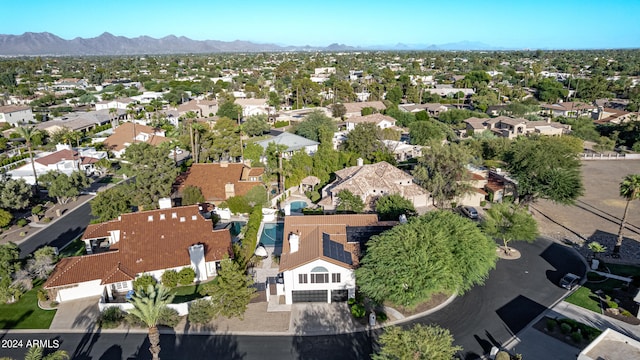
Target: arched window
{"x": 319, "y": 269}
{"x": 319, "y": 275}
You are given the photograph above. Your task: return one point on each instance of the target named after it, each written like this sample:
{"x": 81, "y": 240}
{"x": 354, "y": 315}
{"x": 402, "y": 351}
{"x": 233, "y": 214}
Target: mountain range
{"x": 47, "y": 44}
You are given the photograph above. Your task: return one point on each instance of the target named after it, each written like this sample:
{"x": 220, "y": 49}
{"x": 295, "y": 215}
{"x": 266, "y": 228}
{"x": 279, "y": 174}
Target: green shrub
{"x": 483, "y": 203}
{"x": 238, "y": 205}
{"x": 503, "y": 355}
{"x": 381, "y": 316}
{"x": 169, "y": 317}
{"x": 170, "y": 278}
{"x": 133, "y": 321}
{"x": 551, "y": 324}
{"x": 46, "y": 220}
{"x": 576, "y": 336}
{"x": 43, "y": 295}
{"x": 358, "y": 311}
{"x": 279, "y": 124}
{"x": 201, "y": 311}
{"x": 351, "y": 301}
{"x": 186, "y": 276}
{"x": 37, "y": 210}
{"x": 111, "y": 317}
{"x": 624, "y": 312}
{"x": 144, "y": 281}
{"x": 565, "y": 328}
{"x": 22, "y": 222}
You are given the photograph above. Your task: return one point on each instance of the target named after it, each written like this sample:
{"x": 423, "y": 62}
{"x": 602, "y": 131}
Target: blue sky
{"x": 566, "y": 24}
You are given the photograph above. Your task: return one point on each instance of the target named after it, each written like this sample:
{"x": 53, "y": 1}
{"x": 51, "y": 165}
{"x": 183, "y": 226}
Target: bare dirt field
{"x": 596, "y": 216}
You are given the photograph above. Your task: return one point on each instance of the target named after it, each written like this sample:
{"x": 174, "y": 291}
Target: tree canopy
{"x": 256, "y": 125}
{"x": 15, "y": 194}
{"x": 508, "y": 222}
{"x": 348, "y": 202}
{"x": 439, "y": 252}
{"x": 111, "y": 203}
{"x": 391, "y": 206}
{"x": 420, "y": 342}
{"x": 546, "y": 167}
{"x": 313, "y": 124}
{"x": 231, "y": 291}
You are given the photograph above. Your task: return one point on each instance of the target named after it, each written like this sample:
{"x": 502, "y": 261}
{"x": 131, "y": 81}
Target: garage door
{"x": 339, "y": 295}
{"x": 309, "y": 296}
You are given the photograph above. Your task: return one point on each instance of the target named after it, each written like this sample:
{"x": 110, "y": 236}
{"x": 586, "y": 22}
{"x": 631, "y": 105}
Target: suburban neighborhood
{"x": 358, "y": 197}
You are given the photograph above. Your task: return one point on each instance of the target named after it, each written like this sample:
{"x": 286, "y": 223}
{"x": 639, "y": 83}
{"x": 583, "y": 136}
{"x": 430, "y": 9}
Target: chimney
{"x": 164, "y": 203}
{"x": 360, "y": 162}
{"x": 229, "y": 190}
{"x": 294, "y": 242}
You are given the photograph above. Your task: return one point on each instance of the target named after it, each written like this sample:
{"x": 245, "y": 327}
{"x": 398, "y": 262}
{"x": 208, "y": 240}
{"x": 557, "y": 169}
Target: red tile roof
{"x": 149, "y": 241}
{"x": 123, "y": 135}
{"x": 57, "y": 156}
{"x": 212, "y": 178}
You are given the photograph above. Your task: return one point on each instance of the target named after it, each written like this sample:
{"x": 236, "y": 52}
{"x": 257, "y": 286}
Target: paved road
{"x": 116, "y": 346}
{"x": 516, "y": 292}
{"x": 59, "y": 233}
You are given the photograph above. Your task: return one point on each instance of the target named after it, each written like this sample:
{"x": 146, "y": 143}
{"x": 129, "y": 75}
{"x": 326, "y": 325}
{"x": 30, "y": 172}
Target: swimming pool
{"x": 272, "y": 234}
{"x": 298, "y": 205}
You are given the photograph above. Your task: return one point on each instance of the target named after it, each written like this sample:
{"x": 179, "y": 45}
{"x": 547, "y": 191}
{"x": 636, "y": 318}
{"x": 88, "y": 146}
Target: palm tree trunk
{"x": 616, "y": 249}
{"x": 33, "y": 167}
{"x": 154, "y": 340}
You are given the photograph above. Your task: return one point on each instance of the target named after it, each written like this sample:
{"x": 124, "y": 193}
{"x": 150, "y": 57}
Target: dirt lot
{"x": 596, "y": 215}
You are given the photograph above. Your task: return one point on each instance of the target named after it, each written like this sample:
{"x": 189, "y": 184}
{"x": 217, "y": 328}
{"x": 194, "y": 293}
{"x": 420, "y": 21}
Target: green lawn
{"x": 25, "y": 314}
{"x": 75, "y": 248}
{"x": 187, "y": 293}
{"x": 585, "y": 296}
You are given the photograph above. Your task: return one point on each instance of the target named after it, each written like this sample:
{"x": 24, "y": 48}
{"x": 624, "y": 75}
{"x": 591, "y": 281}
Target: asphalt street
{"x": 59, "y": 233}
{"x": 516, "y": 292}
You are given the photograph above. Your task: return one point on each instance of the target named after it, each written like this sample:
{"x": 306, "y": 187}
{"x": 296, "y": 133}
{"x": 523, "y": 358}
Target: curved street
{"x": 515, "y": 293}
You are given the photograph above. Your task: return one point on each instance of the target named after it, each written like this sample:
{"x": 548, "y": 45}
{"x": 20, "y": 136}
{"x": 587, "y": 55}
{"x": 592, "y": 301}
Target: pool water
{"x": 272, "y": 234}
{"x": 298, "y": 205}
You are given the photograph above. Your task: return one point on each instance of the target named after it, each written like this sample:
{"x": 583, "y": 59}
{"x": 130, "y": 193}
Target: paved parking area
{"x": 596, "y": 215}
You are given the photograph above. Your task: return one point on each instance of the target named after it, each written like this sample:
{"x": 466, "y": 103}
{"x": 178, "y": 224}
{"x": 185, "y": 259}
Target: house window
{"x": 302, "y": 278}
{"x": 319, "y": 278}
{"x": 120, "y": 286}
{"x": 335, "y": 277}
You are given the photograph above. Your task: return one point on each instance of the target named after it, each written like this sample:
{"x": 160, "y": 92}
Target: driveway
{"x": 77, "y": 314}
{"x": 516, "y": 292}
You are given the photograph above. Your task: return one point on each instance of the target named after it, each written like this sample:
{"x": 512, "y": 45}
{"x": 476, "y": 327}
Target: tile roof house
{"x": 120, "y": 103}
{"x": 80, "y": 121}
{"x": 123, "y": 136}
{"x": 64, "y": 160}
{"x": 220, "y": 181}
{"x": 320, "y": 254}
{"x": 569, "y": 108}
{"x": 372, "y": 181}
{"x": 16, "y": 114}
{"x": 355, "y": 108}
{"x": 148, "y": 242}
{"x": 253, "y": 106}
{"x": 381, "y": 121}
{"x": 202, "y": 108}
{"x": 511, "y": 128}
{"x": 433, "y": 109}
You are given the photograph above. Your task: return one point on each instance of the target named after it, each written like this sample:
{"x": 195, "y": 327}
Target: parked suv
{"x": 569, "y": 281}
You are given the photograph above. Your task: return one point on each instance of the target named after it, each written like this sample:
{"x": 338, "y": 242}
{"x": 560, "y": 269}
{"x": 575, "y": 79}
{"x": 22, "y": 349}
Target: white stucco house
{"x": 381, "y": 121}
{"x": 16, "y": 115}
{"x": 292, "y": 142}
{"x": 148, "y": 242}
{"x": 252, "y": 107}
{"x": 320, "y": 254}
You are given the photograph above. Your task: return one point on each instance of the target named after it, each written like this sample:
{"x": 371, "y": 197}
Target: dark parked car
{"x": 470, "y": 212}
{"x": 569, "y": 281}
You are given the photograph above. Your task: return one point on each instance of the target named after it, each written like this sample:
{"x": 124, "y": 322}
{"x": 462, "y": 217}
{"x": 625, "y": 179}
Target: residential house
{"x": 70, "y": 84}
{"x": 202, "y": 108}
{"x": 381, "y": 121}
{"x": 403, "y": 151}
{"x": 477, "y": 181}
{"x": 320, "y": 254}
{"x": 511, "y": 128}
{"x": 612, "y": 116}
{"x": 355, "y": 109}
{"x": 369, "y": 182}
{"x": 148, "y": 242}
{"x": 220, "y": 181}
{"x": 64, "y": 160}
{"x": 450, "y": 91}
{"x": 433, "y": 109}
{"x": 611, "y": 345}
{"x": 252, "y": 107}
{"x": 500, "y": 185}
{"x": 120, "y": 103}
{"x": 292, "y": 143}
{"x": 129, "y": 133}
{"x": 16, "y": 115}
{"x": 568, "y": 109}
{"x": 81, "y": 121}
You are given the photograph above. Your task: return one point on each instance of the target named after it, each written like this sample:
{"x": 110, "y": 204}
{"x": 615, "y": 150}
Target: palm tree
{"x": 29, "y": 133}
{"x": 630, "y": 190}
{"x": 147, "y": 306}
{"x": 113, "y": 114}
{"x": 37, "y": 353}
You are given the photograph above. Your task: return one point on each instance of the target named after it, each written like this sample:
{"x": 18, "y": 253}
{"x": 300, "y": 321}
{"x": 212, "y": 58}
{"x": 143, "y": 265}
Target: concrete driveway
{"x": 80, "y": 314}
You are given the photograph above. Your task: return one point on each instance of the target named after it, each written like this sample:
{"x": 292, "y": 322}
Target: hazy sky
{"x": 512, "y": 24}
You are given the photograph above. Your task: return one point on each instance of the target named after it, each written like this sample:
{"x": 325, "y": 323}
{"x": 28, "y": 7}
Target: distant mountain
{"x": 33, "y": 44}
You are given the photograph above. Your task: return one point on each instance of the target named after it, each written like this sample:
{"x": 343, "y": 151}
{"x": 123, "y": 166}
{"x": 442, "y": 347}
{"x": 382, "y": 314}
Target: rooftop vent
{"x": 194, "y": 218}
{"x": 150, "y": 218}
{"x": 174, "y": 215}
{"x": 183, "y": 219}
{"x": 162, "y": 217}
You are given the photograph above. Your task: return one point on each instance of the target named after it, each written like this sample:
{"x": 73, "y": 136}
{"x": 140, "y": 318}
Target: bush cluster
{"x": 201, "y": 311}
{"x": 170, "y": 278}
{"x": 186, "y": 276}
